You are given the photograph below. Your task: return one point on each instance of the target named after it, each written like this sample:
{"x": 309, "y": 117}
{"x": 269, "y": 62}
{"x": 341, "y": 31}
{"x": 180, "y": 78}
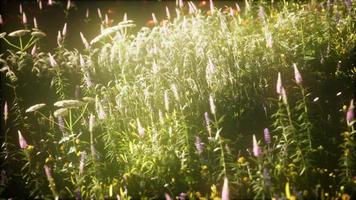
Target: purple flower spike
{"x": 350, "y": 113}
{"x": 22, "y": 141}
{"x": 256, "y": 148}
{"x": 279, "y": 84}
{"x": 225, "y": 194}
{"x": 48, "y": 173}
{"x": 297, "y": 75}
{"x": 198, "y": 145}
{"x": 267, "y": 136}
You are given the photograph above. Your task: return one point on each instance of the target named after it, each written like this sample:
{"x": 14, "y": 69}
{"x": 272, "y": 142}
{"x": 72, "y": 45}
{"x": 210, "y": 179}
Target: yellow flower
{"x": 241, "y": 160}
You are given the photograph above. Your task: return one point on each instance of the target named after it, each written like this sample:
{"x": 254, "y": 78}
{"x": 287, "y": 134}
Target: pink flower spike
{"x": 267, "y": 136}
{"x": 180, "y": 3}
{"x": 155, "y": 21}
{"x": 279, "y": 84}
{"x": 99, "y": 14}
{"x": 50, "y": 2}
{"x": 35, "y": 25}
{"x": 34, "y": 50}
{"x": 256, "y": 148}
{"x": 69, "y": 4}
{"x": 64, "y": 31}
{"x": 350, "y": 113}
{"x": 297, "y": 75}
{"x": 40, "y": 4}
{"x": 140, "y": 129}
{"x": 211, "y": 7}
{"x": 225, "y": 194}
{"x": 20, "y": 9}
{"x": 284, "y": 96}
{"x": 87, "y": 13}
{"x": 168, "y": 13}
{"x": 167, "y": 196}
{"x": 24, "y": 18}
{"x": 85, "y": 42}
{"x": 48, "y": 173}
{"x": 1, "y": 20}
{"x": 22, "y": 141}
{"x": 106, "y": 19}
{"x": 6, "y": 112}
{"x": 52, "y": 61}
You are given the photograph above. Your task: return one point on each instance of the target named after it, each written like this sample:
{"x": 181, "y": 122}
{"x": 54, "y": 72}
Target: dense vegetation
{"x": 250, "y": 102}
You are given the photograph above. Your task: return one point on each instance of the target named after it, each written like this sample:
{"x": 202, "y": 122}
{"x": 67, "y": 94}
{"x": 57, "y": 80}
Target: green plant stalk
{"x": 306, "y": 112}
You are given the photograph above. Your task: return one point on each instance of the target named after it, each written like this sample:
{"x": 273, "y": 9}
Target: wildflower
{"x": 212, "y": 105}
{"x": 60, "y": 112}
{"x": 192, "y": 8}
{"x": 1, "y": 20}
{"x": 350, "y": 113}
{"x": 166, "y": 195}
{"x": 225, "y": 190}
{"x": 180, "y": 3}
{"x": 101, "y": 112}
{"x": 87, "y": 13}
{"x": 297, "y": 75}
{"x": 20, "y": 8}
{"x": 68, "y": 103}
{"x": 269, "y": 41}
{"x": 6, "y": 112}
{"x": 210, "y": 70}
{"x": 279, "y": 84}
{"x": 166, "y": 100}
{"x": 284, "y": 96}
{"x": 211, "y": 7}
{"x": 50, "y": 2}
{"x": 83, "y": 155}
{"x": 232, "y": 12}
{"x": 198, "y": 145}
{"x": 60, "y": 124}
{"x": 81, "y": 60}
{"x": 40, "y": 4}
{"x": 238, "y": 9}
{"x": 154, "y": 19}
{"x": 35, "y": 23}
{"x": 267, "y": 136}
{"x": 22, "y": 141}
{"x": 207, "y": 122}
{"x": 266, "y": 177}
{"x": 59, "y": 38}
{"x": 35, "y": 107}
{"x": 64, "y": 31}
{"x": 49, "y": 176}
{"x": 125, "y": 17}
{"x": 256, "y": 148}
{"x": 247, "y": 6}
{"x": 175, "y": 92}
{"x": 99, "y": 13}
{"x": 168, "y": 13}
{"x": 52, "y": 61}
{"x": 85, "y": 42}
{"x": 91, "y": 123}
{"x": 261, "y": 14}
{"x": 69, "y": 4}
{"x": 24, "y": 18}
{"x": 106, "y": 20}
{"x": 140, "y": 129}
